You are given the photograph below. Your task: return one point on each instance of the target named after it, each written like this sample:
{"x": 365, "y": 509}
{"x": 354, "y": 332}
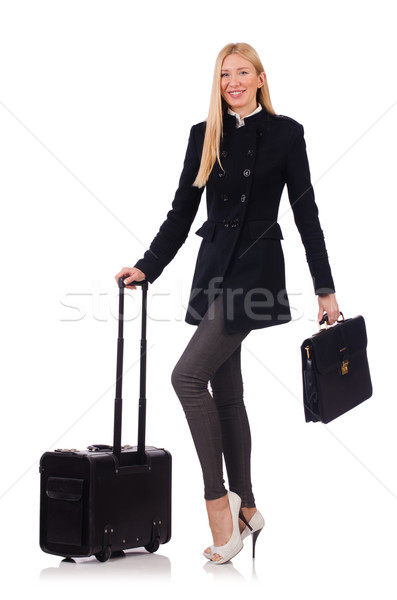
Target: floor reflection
{"x": 228, "y": 573}
{"x": 132, "y": 564}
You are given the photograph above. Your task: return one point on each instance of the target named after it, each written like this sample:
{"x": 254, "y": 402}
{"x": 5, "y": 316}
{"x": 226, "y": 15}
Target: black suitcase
{"x": 108, "y": 498}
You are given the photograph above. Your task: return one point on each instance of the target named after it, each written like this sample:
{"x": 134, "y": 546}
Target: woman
{"x": 243, "y": 154}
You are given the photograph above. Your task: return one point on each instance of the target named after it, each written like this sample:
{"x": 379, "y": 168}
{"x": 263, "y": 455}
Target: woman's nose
{"x": 234, "y": 80}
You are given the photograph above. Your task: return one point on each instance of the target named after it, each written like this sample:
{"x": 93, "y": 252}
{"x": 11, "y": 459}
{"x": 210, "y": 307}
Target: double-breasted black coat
{"x": 241, "y": 255}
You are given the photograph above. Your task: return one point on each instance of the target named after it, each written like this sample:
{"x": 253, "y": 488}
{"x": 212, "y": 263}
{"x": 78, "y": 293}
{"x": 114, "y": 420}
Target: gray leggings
{"x": 218, "y": 422}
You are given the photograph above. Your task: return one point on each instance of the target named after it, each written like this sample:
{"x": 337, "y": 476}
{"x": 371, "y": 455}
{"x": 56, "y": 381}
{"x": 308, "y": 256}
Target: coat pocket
{"x": 207, "y": 230}
{"x": 260, "y": 230}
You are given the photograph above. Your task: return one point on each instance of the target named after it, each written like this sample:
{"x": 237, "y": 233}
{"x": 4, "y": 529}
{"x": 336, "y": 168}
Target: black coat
{"x": 240, "y": 254}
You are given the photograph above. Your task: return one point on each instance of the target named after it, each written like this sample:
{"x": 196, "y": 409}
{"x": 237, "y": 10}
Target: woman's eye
{"x": 243, "y": 72}
{"x": 224, "y": 74}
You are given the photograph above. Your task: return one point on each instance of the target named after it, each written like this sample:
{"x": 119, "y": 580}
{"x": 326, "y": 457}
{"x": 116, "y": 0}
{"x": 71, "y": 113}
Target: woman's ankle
{"x": 220, "y": 519}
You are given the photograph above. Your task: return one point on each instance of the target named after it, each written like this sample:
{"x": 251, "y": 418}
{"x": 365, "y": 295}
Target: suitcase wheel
{"x": 105, "y": 555}
{"x": 153, "y": 546}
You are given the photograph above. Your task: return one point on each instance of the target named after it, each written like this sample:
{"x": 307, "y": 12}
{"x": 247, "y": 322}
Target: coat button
{"x": 226, "y": 223}
{"x": 221, "y": 174}
{"x": 225, "y": 198}
{"x": 243, "y": 198}
{"x": 250, "y": 153}
{"x": 224, "y": 153}
{"x": 247, "y": 173}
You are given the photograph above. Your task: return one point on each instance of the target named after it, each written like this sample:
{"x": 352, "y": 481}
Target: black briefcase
{"x": 335, "y": 371}
{"x": 108, "y": 498}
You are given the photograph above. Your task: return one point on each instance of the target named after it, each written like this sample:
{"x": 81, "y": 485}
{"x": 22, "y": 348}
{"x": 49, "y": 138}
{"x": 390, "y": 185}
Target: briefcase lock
{"x": 344, "y": 363}
{"x": 344, "y": 368}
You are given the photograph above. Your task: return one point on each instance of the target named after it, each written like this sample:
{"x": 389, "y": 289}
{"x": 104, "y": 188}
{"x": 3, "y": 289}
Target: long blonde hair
{"x": 214, "y": 123}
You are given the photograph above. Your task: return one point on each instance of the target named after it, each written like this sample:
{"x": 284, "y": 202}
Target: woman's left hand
{"x": 327, "y": 303}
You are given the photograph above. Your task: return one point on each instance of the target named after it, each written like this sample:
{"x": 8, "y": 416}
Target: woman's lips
{"x": 236, "y": 93}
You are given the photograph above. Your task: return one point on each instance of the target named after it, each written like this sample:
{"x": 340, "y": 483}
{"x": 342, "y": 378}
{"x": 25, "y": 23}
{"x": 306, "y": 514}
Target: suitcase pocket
{"x": 65, "y": 510}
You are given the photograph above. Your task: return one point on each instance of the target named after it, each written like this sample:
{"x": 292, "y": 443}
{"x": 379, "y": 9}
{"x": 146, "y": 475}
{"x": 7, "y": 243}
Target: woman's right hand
{"x": 131, "y": 274}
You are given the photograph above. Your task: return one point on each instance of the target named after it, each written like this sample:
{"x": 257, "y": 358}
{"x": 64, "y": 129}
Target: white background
{"x": 96, "y": 102}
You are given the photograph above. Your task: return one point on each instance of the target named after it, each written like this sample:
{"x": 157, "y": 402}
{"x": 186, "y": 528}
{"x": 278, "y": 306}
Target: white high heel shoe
{"x": 235, "y": 543}
{"x": 254, "y": 527}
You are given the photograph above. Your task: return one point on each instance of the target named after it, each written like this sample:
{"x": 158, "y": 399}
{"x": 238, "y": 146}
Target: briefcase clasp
{"x": 344, "y": 367}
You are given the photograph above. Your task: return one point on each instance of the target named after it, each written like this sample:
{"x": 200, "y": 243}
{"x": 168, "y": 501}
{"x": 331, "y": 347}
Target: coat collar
{"x": 256, "y": 121}
{"x": 240, "y": 122}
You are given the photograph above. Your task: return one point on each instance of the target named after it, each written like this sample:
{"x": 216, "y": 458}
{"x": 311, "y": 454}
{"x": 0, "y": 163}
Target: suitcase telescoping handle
{"x": 118, "y": 403}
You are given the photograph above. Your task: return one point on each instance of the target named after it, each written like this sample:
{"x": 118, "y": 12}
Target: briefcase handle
{"x": 324, "y": 320}
{"x": 118, "y": 402}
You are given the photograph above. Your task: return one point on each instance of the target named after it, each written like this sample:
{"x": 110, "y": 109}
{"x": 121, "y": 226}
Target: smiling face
{"x": 239, "y": 84}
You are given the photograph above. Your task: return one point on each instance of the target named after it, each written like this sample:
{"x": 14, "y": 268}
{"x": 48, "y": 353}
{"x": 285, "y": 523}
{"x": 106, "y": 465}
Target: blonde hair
{"x": 214, "y": 123}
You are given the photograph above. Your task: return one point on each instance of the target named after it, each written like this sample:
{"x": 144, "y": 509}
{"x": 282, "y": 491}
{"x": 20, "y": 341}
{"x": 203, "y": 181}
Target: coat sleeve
{"x": 174, "y": 230}
{"x": 301, "y": 197}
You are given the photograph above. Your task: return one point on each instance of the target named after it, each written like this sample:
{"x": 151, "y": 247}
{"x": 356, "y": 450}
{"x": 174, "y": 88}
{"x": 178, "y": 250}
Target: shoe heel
{"x": 254, "y": 538}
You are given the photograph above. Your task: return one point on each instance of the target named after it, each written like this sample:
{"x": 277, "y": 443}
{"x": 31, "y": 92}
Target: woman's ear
{"x": 261, "y": 79}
